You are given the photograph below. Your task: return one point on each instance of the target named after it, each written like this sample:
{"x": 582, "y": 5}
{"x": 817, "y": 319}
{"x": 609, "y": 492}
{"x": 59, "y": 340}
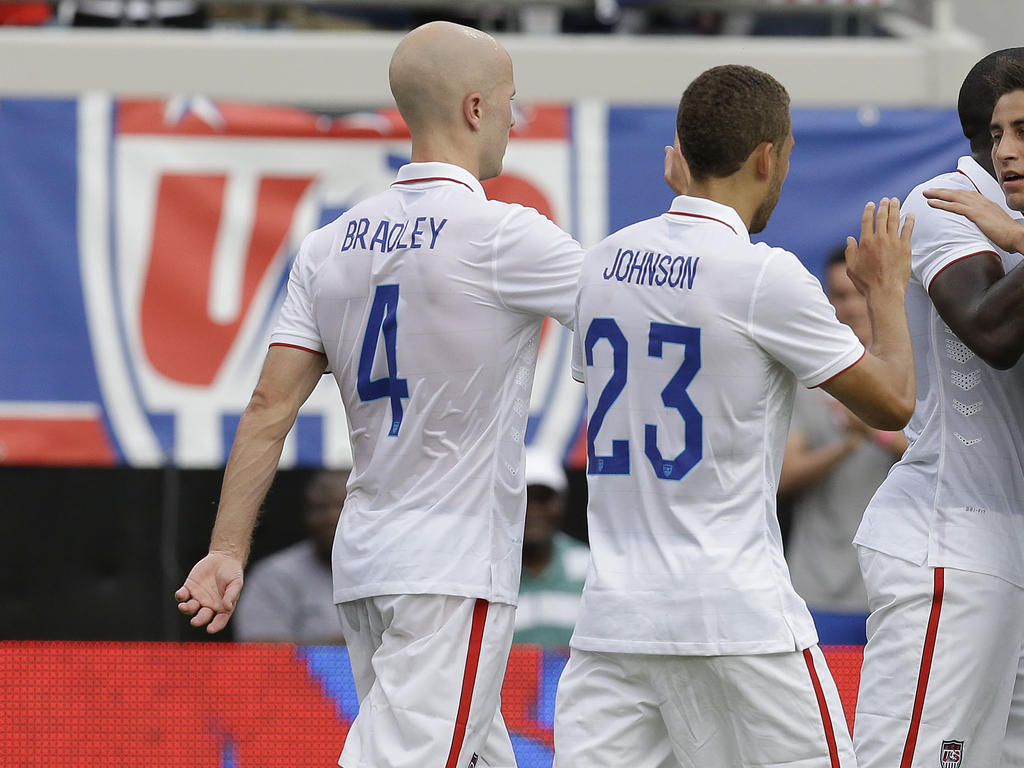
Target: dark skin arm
{"x": 982, "y": 304}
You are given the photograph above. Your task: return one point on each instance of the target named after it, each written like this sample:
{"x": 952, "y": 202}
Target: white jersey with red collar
{"x": 691, "y": 341}
{"x": 427, "y": 300}
{"x": 956, "y": 499}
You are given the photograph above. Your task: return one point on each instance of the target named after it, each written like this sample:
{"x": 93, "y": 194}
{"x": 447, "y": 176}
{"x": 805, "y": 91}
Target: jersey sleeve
{"x": 940, "y": 237}
{"x": 793, "y": 321}
{"x": 296, "y": 324}
{"x": 537, "y": 266}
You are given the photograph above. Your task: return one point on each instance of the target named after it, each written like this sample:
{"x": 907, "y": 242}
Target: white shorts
{"x": 428, "y": 671}
{"x": 941, "y": 685}
{"x": 653, "y": 711}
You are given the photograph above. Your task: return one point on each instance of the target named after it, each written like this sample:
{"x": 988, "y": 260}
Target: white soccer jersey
{"x": 956, "y": 498}
{"x": 691, "y": 341}
{"x": 428, "y": 301}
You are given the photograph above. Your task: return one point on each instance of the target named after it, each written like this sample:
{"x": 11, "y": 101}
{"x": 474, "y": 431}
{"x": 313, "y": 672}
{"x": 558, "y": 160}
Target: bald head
{"x": 453, "y": 85}
{"x": 437, "y": 65}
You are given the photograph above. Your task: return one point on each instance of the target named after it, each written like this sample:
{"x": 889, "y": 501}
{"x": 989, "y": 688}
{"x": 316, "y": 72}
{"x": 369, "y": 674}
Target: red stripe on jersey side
{"x": 826, "y": 718}
{"x": 700, "y": 216}
{"x": 476, "y": 634}
{"x": 926, "y": 668}
{"x": 433, "y": 178}
{"x": 826, "y": 381}
{"x": 296, "y": 346}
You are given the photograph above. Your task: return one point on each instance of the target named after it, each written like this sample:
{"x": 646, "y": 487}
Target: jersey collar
{"x": 437, "y": 173}
{"x": 984, "y": 183}
{"x": 702, "y": 210}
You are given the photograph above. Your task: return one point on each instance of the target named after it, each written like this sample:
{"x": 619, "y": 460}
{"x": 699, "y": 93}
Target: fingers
{"x": 952, "y": 200}
{"x": 202, "y": 618}
{"x": 677, "y": 172}
{"x": 867, "y": 221}
{"x": 219, "y": 622}
{"x": 892, "y": 226}
{"x": 189, "y": 607}
{"x": 231, "y": 594}
{"x": 908, "y": 229}
{"x": 949, "y": 195}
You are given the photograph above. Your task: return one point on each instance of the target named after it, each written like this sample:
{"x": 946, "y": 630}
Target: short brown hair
{"x": 725, "y": 114}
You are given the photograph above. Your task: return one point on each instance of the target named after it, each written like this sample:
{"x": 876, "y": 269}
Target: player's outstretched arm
{"x": 880, "y": 387}
{"x": 982, "y": 304}
{"x": 210, "y": 592}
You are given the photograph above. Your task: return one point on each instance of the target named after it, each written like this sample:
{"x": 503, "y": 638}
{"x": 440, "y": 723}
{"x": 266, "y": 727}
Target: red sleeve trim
{"x": 957, "y": 260}
{"x": 840, "y": 373}
{"x": 296, "y": 346}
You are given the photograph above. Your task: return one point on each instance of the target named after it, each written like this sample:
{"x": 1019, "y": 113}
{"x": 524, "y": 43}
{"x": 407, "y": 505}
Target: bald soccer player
{"x": 425, "y": 303}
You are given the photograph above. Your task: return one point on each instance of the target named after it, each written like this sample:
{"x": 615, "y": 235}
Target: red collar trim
{"x": 700, "y": 216}
{"x": 970, "y": 180}
{"x": 434, "y": 178}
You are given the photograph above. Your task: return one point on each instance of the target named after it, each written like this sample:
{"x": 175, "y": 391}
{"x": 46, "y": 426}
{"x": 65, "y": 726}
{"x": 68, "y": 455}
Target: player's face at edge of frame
{"x": 1007, "y": 129}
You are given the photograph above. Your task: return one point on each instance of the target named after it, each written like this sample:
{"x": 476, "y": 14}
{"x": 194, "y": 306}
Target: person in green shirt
{"x": 554, "y": 563}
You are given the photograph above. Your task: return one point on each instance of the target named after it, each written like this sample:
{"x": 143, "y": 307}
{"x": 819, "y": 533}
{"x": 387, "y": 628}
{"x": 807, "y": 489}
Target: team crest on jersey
{"x": 472, "y": 763}
{"x": 951, "y": 754}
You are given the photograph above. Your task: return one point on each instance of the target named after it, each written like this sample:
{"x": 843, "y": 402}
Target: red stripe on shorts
{"x": 476, "y": 634}
{"x": 826, "y": 718}
{"x": 926, "y": 667}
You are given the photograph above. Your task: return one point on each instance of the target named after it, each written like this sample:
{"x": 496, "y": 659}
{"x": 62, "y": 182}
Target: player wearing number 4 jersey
{"x": 425, "y": 303}
{"x": 691, "y": 647}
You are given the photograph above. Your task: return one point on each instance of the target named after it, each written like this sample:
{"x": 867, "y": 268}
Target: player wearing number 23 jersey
{"x": 691, "y": 646}
{"x": 692, "y": 341}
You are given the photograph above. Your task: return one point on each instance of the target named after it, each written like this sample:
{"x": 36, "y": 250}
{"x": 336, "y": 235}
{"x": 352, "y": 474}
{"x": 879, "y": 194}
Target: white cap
{"x": 543, "y": 469}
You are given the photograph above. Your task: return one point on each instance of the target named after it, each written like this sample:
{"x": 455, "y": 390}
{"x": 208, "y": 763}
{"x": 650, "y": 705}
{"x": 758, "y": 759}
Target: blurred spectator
{"x": 289, "y": 596}
{"x": 25, "y": 14}
{"x": 186, "y": 14}
{"x": 832, "y": 467}
{"x": 554, "y": 563}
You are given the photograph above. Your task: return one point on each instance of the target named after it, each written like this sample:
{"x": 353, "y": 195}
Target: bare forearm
{"x": 999, "y": 319}
{"x": 891, "y": 346}
{"x": 247, "y": 478}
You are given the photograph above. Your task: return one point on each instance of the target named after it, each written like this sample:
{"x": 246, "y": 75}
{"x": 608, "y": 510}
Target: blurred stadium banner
{"x": 223, "y": 705}
{"x": 146, "y": 246}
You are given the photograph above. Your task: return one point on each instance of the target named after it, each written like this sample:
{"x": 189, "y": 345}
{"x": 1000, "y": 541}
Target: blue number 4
{"x": 383, "y": 321}
{"x": 672, "y": 396}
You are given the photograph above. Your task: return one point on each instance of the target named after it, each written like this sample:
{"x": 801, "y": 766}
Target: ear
{"x": 765, "y": 159}
{"x": 473, "y": 110}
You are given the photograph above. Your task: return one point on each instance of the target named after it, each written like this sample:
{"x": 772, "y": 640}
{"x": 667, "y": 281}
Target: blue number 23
{"x": 672, "y": 396}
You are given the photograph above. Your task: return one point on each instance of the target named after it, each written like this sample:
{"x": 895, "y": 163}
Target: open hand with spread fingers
{"x": 880, "y": 259}
{"x": 991, "y": 219}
